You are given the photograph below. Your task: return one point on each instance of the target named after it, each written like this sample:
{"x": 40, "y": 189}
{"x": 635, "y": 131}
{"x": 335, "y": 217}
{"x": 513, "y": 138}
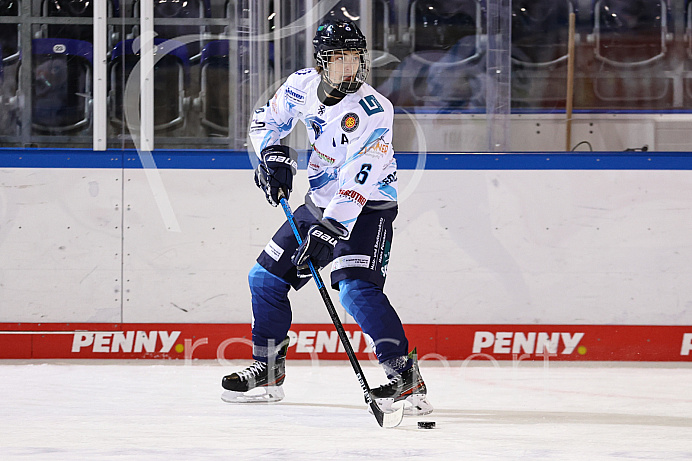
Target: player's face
{"x": 343, "y": 66}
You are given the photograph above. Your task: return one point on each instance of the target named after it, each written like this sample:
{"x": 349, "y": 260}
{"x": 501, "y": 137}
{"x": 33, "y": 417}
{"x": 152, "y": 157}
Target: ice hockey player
{"x": 346, "y": 219}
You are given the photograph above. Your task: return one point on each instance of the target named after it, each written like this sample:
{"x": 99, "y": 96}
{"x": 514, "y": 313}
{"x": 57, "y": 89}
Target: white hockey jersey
{"x": 352, "y": 159}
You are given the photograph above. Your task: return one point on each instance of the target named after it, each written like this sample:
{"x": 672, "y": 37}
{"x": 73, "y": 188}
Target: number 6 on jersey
{"x": 362, "y": 175}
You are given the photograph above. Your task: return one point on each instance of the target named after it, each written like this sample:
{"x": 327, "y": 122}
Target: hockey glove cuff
{"x": 303, "y": 272}
{"x": 319, "y": 243}
{"x": 275, "y": 172}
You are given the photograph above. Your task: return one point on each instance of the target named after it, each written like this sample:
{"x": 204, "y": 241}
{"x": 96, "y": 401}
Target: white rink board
{"x": 501, "y": 246}
{"x": 199, "y": 274}
{"x": 555, "y": 247}
{"x": 60, "y": 245}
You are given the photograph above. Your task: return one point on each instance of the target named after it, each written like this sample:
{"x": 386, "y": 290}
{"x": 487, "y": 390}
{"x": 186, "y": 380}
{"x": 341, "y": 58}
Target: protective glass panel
{"x": 218, "y": 60}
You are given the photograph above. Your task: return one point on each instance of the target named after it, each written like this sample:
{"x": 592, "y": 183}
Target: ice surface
{"x": 148, "y": 410}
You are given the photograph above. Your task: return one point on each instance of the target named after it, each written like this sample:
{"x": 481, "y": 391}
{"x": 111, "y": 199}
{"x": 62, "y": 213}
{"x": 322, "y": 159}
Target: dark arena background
{"x": 542, "y": 250}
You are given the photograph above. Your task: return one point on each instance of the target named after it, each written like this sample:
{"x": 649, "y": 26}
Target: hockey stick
{"x": 383, "y": 419}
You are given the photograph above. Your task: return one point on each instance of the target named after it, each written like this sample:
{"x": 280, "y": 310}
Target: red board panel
{"x": 320, "y": 341}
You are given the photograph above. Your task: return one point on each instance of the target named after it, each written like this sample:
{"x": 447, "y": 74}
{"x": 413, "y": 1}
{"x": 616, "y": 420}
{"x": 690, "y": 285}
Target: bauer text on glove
{"x": 319, "y": 243}
{"x": 275, "y": 172}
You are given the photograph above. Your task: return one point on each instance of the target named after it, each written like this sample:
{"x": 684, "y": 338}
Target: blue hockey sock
{"x": 271, "y": 311}
{"x": 369, "y": 306}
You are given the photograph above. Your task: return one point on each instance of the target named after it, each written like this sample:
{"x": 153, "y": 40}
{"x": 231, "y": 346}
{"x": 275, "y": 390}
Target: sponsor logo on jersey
{"x": 385, "y": 258}
{"x": 323, "y": 156}
{"x": 295, "y": 95}
{"x": 343, "y": 262}
{"x": 273, "y": 250}
{"x": 350, "y": 122}
{"x": 353, "y": 195}
{"x": 510, "y": 342}
{"x": 274, "y": 103}
{"x": 380, "y": 244}
{"x": 686, "y": 344}
{"x": 378, "y": 149}
{"x": 390, "y": 178}
{"x": 125, "y": 341}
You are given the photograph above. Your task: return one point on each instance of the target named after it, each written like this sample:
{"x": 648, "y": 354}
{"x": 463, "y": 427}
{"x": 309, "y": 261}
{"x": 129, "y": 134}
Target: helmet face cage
{"x": 333, "y": 69}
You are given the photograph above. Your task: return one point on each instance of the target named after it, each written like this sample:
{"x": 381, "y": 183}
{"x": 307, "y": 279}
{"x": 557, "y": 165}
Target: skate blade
{"x": 266, "y": 394}
{"x": 414, "y": 405}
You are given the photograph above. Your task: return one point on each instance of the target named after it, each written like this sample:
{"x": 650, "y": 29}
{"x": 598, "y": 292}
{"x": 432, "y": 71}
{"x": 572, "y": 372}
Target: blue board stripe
{"x": 413, "y": 111}
{"x": 550, "y": 161}
{"x": 240, "y": 160}
{"x": 59, "y": 158}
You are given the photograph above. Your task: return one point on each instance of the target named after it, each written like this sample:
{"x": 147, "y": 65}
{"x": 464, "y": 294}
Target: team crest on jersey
{"x": 350, "y": 122}
{"x": 317, "y": 125}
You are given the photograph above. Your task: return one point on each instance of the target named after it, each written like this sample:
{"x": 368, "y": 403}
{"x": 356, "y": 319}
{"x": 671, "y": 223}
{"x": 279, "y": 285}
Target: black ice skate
{"x": 260, "y": 382}
{"x": 408, "y": 387}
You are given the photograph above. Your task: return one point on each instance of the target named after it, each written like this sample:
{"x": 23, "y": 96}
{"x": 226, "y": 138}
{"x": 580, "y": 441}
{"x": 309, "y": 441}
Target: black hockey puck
{"x": 426, "y": 424}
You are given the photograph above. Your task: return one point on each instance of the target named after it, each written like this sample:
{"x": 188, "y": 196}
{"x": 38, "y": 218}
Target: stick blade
{"x": 387, "y": 420}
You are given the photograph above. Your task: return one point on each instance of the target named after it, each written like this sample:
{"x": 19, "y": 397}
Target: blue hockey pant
{"x": 363, "y": 300}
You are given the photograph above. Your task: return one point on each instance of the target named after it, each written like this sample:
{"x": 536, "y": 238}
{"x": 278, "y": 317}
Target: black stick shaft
{"x": 390, "y": 420}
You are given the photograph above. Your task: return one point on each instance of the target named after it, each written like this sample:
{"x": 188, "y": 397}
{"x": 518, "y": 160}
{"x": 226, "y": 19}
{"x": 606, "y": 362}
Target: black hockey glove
{"x": 319, "y": 244}
{"x": 275, "y": 172}
{"x": 304, "y": 272}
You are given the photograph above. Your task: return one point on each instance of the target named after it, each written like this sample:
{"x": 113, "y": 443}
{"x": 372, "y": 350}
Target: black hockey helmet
{"x": 333, "y": 37}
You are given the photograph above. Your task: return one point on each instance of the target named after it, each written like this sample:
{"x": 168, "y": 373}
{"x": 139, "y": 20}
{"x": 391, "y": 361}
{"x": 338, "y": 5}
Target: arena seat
{"x": 382, "y": 21}
{"x": 630, "y": 45}
{"x": 687, "y": 80}
{"x": 9, "y": 33}
{"x": 2, "y": 81}
{"x": 540, "y": 31}
{"x": 381, "y": 17}
{"x": 439, "y": 25}
{"x": 8, "y": 99}
{"x": 688, "y": 28}
{"x": 214, "y": 87}
{"x": 445, "y": 60}
{"x": 61, "y": 86}
{"x": 9, "y": 56}
{"x": 540, "y": 35}
{"x": 228, "y": 68}
{"x": 72, "y": 9}
{"x": 630, "y": 33}
{"x": 188, "y": 9}
{"x": 171, "y": 76}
